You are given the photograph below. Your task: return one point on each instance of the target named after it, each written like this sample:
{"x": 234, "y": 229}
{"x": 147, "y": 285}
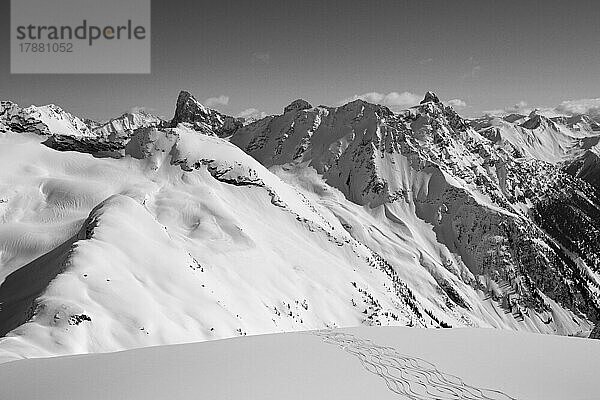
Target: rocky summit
{"x": 203, "y": 119}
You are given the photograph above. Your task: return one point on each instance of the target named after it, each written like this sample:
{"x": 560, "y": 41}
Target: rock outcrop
{"x": 297, "y": 105}
{"x": 203, "y": 119}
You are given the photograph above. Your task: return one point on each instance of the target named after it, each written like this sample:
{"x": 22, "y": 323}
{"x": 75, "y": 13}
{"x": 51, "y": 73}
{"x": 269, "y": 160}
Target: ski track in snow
{"x": 411, "y": 377}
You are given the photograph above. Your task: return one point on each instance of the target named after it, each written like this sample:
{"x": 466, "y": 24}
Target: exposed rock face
{"x": 297, "y": 105}
{"x": 203, "y": 119}
{"x": 98, "y": 146}
{"x": 586, "y": 167}
{"x": 430, "y": 97}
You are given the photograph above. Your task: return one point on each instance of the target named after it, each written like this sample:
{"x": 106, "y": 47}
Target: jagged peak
{"x": 187, "y": 102}
{"x": 204, "y": 119}
{"x": 535, "y": 120}
{"x": 8, "y": 103}
{"x": 297, "y": 105}
{"x": 513, "y": 117}
{"x": 430, "y": 97}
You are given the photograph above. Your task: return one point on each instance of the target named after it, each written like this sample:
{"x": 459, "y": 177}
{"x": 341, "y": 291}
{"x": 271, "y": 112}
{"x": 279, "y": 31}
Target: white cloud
{"x": 520, "y": 105}
{"x": 494, "y": 113}
{"x": 457, "y": 103}
{"x": 262, "y": 57}
{"x": 252, "y": 113}
{"x": 212, "y": 102}
{"x": 519, "y": 108}
{"x": 393, "y": 100}
{"x": 140, "y": 109}
{"x": 590, "y": 107}
{"x": 582, "y": 106}
{"x": 473, "y": 68}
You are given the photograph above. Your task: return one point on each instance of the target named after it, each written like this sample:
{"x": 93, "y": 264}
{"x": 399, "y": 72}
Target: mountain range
{"x": 140, "y": 231}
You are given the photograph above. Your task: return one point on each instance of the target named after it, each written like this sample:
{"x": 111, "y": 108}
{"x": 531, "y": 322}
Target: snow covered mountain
{"x": 44, "y": 120}
{"x": 124, "y": 126}
{"x": 554, "y": 140}
{"x": 472, "y": 197}
{"x": 140, "y": 232}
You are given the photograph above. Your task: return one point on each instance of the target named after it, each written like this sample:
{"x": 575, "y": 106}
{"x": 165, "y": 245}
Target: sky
{"x": 238, "y": 56}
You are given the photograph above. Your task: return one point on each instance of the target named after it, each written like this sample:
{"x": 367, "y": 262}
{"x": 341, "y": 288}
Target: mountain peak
{"x": 297, "y": 105}
{"x": 430, "y": 97}
{"x": 187, "y": 106}
{"x": 535, "y": 120}
{"x": 189, "y": 110}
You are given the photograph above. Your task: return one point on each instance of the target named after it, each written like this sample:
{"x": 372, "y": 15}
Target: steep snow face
{"x": 360, "y": 148}
{"x": 44, "y": 120}
{"x": 203, "y": 119}
{"x": 467, "y": 196}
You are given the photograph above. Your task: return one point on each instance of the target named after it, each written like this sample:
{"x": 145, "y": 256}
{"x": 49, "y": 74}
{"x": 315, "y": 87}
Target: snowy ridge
{"x": 125, "y": 125}
{"x": 45, "y": 120}
{"x": 396, "y": 359}
{"x": 180, "y": 263}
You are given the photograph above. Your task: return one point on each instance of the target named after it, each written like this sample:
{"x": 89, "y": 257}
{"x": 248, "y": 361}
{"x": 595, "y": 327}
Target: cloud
{"x": 519, "y": 108}
{"x": 474, "y": 73}
{"x": 213, "y": 102}
{"x": 393, "y": 100}
{"x": 140, "y": 110}
{"x": 520, "y": 105}
{"x": 252, "y": 114}
{"x": 426, "y": 61}
{"x": 473, "y": 69}
{"x": 264, "y": 58}
{"x": 582, "y": 106}
{"x": 457, "y": 103}
{"x": 495, "y": 113}
{"x": 589, "y": 107}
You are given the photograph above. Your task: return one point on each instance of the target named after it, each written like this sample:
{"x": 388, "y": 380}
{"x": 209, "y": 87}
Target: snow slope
{"x": 314, "y": 366}
{"x": 184, "y": 248}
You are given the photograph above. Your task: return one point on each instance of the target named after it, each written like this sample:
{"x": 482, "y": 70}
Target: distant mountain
{"x": 124, "y": 126}
{"x": 552, "y": 140}
{"x": 65, "y": 132}
{"x": 44, "y": 120}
